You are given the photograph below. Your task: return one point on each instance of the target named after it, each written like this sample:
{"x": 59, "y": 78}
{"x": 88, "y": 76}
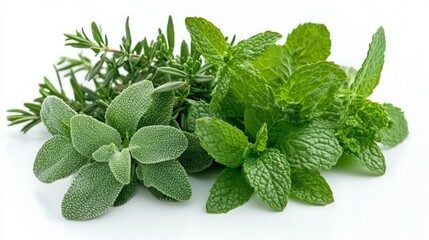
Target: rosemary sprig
{"x": 116, "y": 69}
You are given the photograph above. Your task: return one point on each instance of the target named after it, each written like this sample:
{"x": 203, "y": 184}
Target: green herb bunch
{"x": 273, "y": 115}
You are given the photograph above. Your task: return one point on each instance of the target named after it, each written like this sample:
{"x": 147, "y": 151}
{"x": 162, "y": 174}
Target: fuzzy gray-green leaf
{"x": 126, "y": 110}
{"x": 195, "y": 158}
{"x": 56, "y": 115}
{"x": 105, "y": 153}
{"x": 89, "y": 134}
{"x": 92, "y": 192}
{"x": 155, "y": 144}
{"x": 168, "y": 177}
{"x": 160, "y": 111}
{"x": 120, "y": 165}
{"x": 57, "y": 159}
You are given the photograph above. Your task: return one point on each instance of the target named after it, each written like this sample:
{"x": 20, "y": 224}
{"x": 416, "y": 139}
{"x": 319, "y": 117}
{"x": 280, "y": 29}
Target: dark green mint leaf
{"x": 309, "y": 43}
{"x": 57, "y": 159}
{"x": 269, "y": 175}
{"x": 89, "y": 134}
{"x": 207, "y": 39}
{"x": 92, "y": 192}
{"x": 56, "y": 115}
{"x": 126, "y": 110}
{"x": 168, "y": 177}
{"x": 261, "y": 139}
{"x": 153, "y": 144}
{"x": 255, "y": 117}
{"x": 368, "y": 76}
{"x": 309, "y": 145}
{"x": 221, "y": 89}
{"x": 195, "y": 158}
{"x": 398, "y": 131}
{"x": 225, "y": 143}
{"x": 309, "y": 186}
{"x": 229, "y": 191}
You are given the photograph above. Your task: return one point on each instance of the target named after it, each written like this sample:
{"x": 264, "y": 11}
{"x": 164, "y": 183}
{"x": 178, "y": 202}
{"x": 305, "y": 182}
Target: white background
{"x": 394, "y": 206}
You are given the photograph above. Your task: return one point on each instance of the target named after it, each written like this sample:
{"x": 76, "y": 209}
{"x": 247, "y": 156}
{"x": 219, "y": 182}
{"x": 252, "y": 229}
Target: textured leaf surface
{"x": 309, "y": 145}
{"x": 197, "y": 110}
{"x": 92, "y": 192}
{"x": 120, "y": 165}
{"x": 369, "y": 155}
{"x": 399, "y": 131}
{"x": 207, "y": 38}
{"x": 195, "y": 158}
{"x": 57, "y": 159}
{"x": 269, "y": 175}
{"x": 56, "y": 115}
{"x": 368, "y": 76}
{"x": 310, "y": 186}
{"x": 89, "y": 134}
{"x": 225, "y": 143}
{"x": 160, "y": 196}
{"x": 314, "y": 86}
{"x": 155, "y": 144}
{"x": 309, "y": 43}
{"x": 275, "y": 65}
{"x": 105, "y": 153}
{"x": 229, "y": 191}
{"x": 249, "y": 86}
{"x": 255, "y": 46}
{"x": 126, "y": 110}
{"x": 223, "y": 84}
{"x": 127, "y": 192}
{"x": 160, "y": 111}
{"x": 261, "y": 139}
{"x": 168, "y": 177}
{"x": 254, "y": 118}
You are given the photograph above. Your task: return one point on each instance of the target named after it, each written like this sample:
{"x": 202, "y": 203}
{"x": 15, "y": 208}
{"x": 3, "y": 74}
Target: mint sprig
{"x": 273, "y": 115}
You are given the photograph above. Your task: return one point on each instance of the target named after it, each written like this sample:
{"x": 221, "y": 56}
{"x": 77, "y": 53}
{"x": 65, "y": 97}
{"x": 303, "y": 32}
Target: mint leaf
{"x": 254, "y": 46}
{"x": 309, "y": 43}
{"x": 398, "y": 131}
{"x": 167, "y": 177}
{"x": 126, "y": 110}
{"x": 92, "y": 192}
{"x": 309, "y": 186}
{"x": 57, "y": 159}
{"x": 120, "y": 165}
{"x": 275, "y": 65}
{"x": 369, "y": 155}
{"x": 56, "y": 115}
{"x": 368, "y": 76}
{"x": 269, "y": 175}
{"x": 308, "y": 145}
{"x": 225, "y": 143}
{"x": 229, "y": 191}
{"x": 155, "y": 144}
{"x": 105, "y": 153}
{"x": 160, "y": 111}
{"x": 207, "y": 39}
{"x": 194, "y": 158}
{"x": 261, "y": 139}
{"x": 255, "y": 117}
{"x": 198, "y": 109}
{"x": 249, "y": 86}
{"x": 89, "y": 134}
{"x": 223, "y": 84}
{"x": 313, "y": 86}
